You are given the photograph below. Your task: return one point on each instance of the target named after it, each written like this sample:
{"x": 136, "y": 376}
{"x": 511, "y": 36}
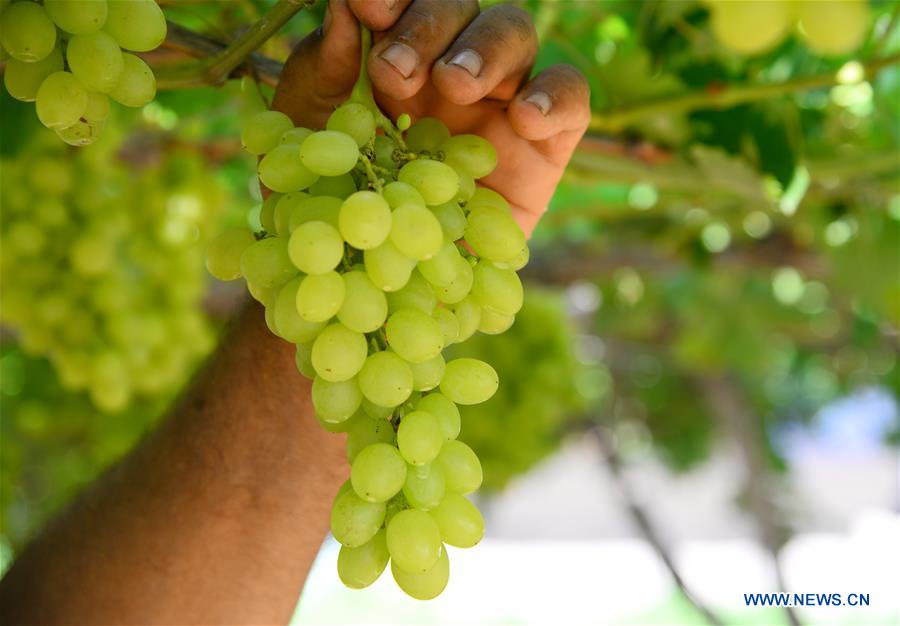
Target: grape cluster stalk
{"x": 88, "y": 251}
{"x": 67, "y": 57}
{"x": 378, "y": 250}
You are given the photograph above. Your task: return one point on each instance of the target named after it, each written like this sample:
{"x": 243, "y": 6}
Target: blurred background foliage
{"x": 720, "y": 260}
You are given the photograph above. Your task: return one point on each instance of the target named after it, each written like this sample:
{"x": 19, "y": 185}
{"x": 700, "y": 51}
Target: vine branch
{"x": 617, "y": 120}
{"x": 217, "y": 68}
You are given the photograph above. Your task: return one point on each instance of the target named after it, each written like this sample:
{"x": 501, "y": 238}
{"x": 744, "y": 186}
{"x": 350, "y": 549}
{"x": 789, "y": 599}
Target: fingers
{"x": 401, "y": 59}
{"x": 554, "y": 106}
{"x": 378, "y": 15}
{"x": 490, "y": 58}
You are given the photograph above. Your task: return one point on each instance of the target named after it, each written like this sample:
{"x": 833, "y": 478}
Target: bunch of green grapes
{"x": 377, "y": 251}
{"x": 66, "y": 57}
{"x": 526, "y": 419}
{"x": 101, "y": 266}
{"x": 830, "y": 27}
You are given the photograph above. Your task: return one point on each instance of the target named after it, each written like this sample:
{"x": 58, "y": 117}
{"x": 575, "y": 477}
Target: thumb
{"x": 321, "y": 70}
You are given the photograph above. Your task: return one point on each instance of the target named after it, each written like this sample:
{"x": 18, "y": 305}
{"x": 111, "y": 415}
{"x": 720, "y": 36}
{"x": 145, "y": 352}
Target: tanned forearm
{"x": 214, "y": 519}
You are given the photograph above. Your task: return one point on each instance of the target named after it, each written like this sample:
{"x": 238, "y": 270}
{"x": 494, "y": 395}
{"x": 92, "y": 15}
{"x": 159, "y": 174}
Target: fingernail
{"x": 390, "y": 4}
{"x": 469, "y": 60}
{"x": 541, "y": 100}
{"x": 403, "y": 58}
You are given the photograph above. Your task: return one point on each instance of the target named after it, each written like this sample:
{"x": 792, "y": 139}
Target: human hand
{"x": 444, "y": 59}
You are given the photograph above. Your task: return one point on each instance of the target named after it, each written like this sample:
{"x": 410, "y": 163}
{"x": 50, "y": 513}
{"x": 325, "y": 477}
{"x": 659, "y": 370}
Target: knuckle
{"x": 516, "y": 19}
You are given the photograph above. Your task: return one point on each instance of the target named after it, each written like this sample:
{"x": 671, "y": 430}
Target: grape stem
{"x": 724, "y": 97}
{"x": 216, "y": 69}
{"x": 362, "y": 90}
{"x": 374, "y": 180}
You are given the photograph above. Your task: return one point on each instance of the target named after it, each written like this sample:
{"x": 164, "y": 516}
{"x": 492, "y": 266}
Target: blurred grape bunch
{"x": 526, "y": 419}
{"x": 53, "y": 441}
{"x": 101, "y": 265}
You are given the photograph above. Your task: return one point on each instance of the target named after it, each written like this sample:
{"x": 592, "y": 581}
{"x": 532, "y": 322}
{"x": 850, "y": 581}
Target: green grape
{"x": 414, "y": 336}
{"x": 427, "y": 134}
{"x": 137, "y": 25}
{"x": 303, "y": 360}
{"x": 365, "y": 220}
{"x": 22, "y": 79}
{"x": 320, "y": 296}
{"x": 483, "y": 196}
{"x": 339, "y": 353}
{"x": 419, "y": 437}
{"x": 340, "y": 427}
{"x": 376, "y": 411}
{"x": 497, "y": 289}
{"x": 466, "y": 187}
{"x": 517, "y": 262}
{"x": 281, "y": 170}
{"x": 751, "y": 27}
{"x": 416, "y": 232}
{"x": 265, "y": 263}
{"x": 388, "y": 268}
{"x": 137, "y": 85}
{"x": 424, "y": 486}
{"x": 460, "y": 522}
{"x": 365, "y": 307}
{"x": 267, "y": 212}
{"x": 80, "y": 133}
{"x": 265, "y": 130}
{"x": 295, "y": 135}
{"x": 378, "y": 473}
{"x": 459, "y": 286}
{"x": 414, "y": 541}
{"x": 397, "y": 193}
{"x": 448, "y": 323}
{"x": 283, "y": 208}
{"x": 355, "y": 521}
{"x": 469, "y": 381}
{"x": 462, "y": 470}
{"x": 494, "y": 323}
{"x": 386, "y": 380}
{"x": 27, "y": 32}
{"x": 436, "y": 181}
{"x": 470, "y": 154}
{"x": 424, "y": 586}
{"x": 442, "y": 268}
{"x": 834, "y": 28}
{"x": 355, "y": 120}
{"x": 79, "y": 17}
{"x": 384, "y": 152}
{"x": 494, "y": 234}
{"x": 415, "y": 294}
{"x": 290, "y": 324}
{"x": 223, "y": 256}
{"x": 60, "y": 100}
{"x": 335, "y": 402}
{"x": 92, "y": 254}
{"x": 264, "y": 295}
{"x": 316, "y": 247}
{"x": 403, "y": 121}
{"x": 95, "y": 60}
{"x": 468, "y": 314}
{"x": 452, "y": 219}
{"x": 427, "y": 374}
{"x": 342, "y": 186}
{"x": 367, "y": 432}
{"x": 361, "y": 566}
{"x": 329, "y": 153}
{"x": 444, "y": 410}
{"x": 315, "y": 209}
